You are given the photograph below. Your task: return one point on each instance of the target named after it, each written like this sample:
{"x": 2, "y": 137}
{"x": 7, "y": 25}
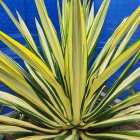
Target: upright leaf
{"x": 77, "y": 58}
{"x": 96, "y": 28}
{"x": 51, "y": 35}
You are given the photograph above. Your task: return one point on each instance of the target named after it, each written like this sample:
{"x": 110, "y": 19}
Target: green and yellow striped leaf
{"x": 4, "y": 129}
{"x": 51, "y": 35}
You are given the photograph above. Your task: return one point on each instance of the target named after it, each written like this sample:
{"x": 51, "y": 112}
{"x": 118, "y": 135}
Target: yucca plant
{"x": 61, "y": 92}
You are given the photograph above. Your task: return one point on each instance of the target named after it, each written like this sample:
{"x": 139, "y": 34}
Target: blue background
{"x": 119, "y": 9}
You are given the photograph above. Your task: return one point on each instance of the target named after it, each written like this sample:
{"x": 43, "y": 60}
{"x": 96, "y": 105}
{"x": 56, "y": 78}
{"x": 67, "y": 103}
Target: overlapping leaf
{"x": 58, "y": 92}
